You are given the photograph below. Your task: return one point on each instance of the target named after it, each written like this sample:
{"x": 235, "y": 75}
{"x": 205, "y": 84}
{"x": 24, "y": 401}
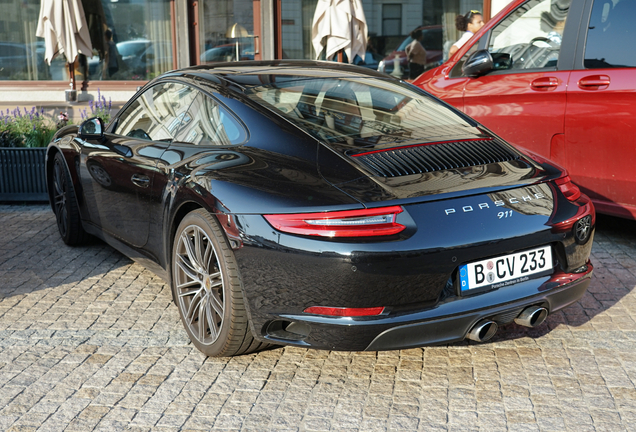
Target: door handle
{"x": 140, "y": 180}
{"x": 593, "y": 82}
{"x": 545, "y": 83}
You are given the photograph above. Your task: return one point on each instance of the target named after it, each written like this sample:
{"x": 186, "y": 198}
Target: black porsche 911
{"x": 324, "y": 206}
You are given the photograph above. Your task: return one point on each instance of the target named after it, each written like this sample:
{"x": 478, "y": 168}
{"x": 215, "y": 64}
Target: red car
{"x": 559, "y": 78}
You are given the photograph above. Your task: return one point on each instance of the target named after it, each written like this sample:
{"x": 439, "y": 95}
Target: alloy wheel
{"x": 199, "y": 285}
{"x": 60, "y": 196}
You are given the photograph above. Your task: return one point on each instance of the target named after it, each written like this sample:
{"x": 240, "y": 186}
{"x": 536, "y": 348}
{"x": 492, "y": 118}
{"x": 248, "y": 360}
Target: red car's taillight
{"x": 569, "y": 189}
{"x": 344, "y": 312}
{"x": 348, "y": 223}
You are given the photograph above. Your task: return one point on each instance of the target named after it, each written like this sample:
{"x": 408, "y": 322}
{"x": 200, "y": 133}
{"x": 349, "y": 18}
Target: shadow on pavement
{"x": 614, "y": 260}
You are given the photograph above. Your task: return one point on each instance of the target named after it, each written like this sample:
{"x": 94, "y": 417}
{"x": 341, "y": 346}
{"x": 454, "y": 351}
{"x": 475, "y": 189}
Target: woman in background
{"x": 416, "y": 54}
{"x": 469, "y": 24}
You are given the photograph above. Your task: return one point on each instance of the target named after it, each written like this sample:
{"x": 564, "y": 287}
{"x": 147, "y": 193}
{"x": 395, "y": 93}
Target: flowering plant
{"x": 62, "y": 120}
{"x": 99, "y": 108}
{"x": 25, "y": 128}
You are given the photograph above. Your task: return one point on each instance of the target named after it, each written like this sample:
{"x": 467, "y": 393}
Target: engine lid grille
{"x": 424, "y": 158}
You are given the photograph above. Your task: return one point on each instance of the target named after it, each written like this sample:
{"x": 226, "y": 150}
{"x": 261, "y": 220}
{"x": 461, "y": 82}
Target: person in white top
{"x": 469, "y": 24}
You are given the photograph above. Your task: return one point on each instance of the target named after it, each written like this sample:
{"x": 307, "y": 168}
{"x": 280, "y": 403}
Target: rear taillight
{"x": 344, "y": 312}
{"x": 348, "y": 223}
{"x": 567, "y": 188}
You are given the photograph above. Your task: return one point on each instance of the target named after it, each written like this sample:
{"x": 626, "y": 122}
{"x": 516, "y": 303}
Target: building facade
{"x": 136, "y": 40}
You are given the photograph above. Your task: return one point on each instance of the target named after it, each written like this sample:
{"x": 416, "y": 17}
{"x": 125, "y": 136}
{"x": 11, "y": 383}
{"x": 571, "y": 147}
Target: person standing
{"x": 416, "y": 54}
{"x": 469, "y": 24}
{"x": 111, "y": 61}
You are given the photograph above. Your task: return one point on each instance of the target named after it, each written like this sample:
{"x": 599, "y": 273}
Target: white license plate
{"x": 505, "y": 270}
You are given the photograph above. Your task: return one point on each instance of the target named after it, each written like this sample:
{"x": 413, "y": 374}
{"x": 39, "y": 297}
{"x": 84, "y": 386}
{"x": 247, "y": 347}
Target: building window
{"x": 391, "y": 19}
{"x": 226, "y": 31}
{"x": 130, "y": 41}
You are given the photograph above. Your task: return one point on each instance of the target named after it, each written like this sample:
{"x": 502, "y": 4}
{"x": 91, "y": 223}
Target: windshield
{"x": 404, "y": 44}
{"x": 338, "y": 109}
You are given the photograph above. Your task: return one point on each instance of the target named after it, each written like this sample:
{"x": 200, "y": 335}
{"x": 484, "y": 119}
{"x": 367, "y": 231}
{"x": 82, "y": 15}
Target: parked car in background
{"x": 558, "y": 78}
{"x": 227, "y": 52}
{"x": 323, "y": 205}
{"x": 20, "y": 61}
{"x": 155, "y": 59}
{"x": 432, "y": 40}
{"x": 141, "y": 58}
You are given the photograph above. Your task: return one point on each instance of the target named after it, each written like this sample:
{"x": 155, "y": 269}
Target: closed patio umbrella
{"x": 62, "y": 24}
{"x": 339, "y": 25}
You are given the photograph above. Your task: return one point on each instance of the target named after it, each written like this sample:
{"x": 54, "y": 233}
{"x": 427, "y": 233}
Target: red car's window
{"x": 531, "y": 35}
{"x": 611, "y": 40}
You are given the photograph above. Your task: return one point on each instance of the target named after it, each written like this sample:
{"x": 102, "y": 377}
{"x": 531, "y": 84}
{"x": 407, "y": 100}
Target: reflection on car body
{"x": 309, "y": 204}
{"x": 432, "y": 41}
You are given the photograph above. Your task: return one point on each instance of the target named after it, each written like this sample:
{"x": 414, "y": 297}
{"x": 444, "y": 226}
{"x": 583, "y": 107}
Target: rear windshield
{"x": 338, "y": 109}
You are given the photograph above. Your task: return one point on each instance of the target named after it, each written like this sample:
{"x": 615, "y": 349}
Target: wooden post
{"x": 71, "y": 72}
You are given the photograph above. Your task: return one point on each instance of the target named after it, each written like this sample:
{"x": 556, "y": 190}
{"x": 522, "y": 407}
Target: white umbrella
{"x": 63, "y": 26}
{"x": 339, "y": 25}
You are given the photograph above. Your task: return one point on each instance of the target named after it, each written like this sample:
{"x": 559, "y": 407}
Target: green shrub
{"x": 25, "y": 128}
{"x": 32, "y": 129}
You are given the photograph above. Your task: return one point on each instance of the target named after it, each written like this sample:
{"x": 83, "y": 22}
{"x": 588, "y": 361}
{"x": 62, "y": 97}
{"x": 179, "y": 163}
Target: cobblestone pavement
{"x": 91, "y": 340}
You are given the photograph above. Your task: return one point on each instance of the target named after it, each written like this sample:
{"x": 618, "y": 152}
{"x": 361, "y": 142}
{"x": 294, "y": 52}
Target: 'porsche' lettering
{"x": 496, "y": 203}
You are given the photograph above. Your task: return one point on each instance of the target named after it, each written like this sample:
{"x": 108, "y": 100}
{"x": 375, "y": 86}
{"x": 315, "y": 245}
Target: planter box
{"x": 22, "y": 176}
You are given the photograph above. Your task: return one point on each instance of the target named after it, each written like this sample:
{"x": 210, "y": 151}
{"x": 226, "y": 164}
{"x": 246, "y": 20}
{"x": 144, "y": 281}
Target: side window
{"x": 433, "y": 39}
{"x": 207, "y": 123}
{"x": 530, "y": 37}
{"x": 611, "y": 40}
{"x": 157, "y": 113}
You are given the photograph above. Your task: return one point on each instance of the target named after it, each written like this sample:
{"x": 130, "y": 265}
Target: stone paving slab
{"x": 90, "y": 340}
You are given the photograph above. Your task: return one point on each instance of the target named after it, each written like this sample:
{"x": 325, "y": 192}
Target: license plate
{"x": 505, "y": 270}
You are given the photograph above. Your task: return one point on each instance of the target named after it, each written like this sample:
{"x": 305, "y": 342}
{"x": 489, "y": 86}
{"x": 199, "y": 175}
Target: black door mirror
{"x": 479, "y": 63}
{"x": 92, "y": 128}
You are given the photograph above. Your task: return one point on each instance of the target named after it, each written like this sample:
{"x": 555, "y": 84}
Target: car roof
{"x": 243, "y": 73}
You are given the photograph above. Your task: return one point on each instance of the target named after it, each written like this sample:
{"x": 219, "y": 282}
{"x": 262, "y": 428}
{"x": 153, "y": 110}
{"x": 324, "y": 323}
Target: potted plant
{"x": 24, "y": 136}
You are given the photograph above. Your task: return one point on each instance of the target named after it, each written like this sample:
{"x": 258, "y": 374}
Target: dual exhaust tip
{"x": 485, "y": 329}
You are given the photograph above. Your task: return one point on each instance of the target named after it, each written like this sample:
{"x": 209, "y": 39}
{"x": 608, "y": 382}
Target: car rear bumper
{"x": 445, "y": 323}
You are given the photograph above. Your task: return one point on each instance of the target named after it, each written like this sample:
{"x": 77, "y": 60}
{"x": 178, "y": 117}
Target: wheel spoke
{"x": 210, "y": 321}
{"x": 216, "y": 304}
{"x": 187, "y": 268}
{"x": 202, "y": 319}
{"x": 207, "y": 256}
{"x": 190, "y": 314}
{"x": 198, "y": 246}
{"x": 187, "y": 285}
{"x": 190, "y": 292}
{"x": 190, "y": 250}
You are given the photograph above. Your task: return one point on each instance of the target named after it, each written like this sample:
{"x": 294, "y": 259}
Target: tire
{"x": 67, "y": 215}
{"x": 206, "y": 287}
